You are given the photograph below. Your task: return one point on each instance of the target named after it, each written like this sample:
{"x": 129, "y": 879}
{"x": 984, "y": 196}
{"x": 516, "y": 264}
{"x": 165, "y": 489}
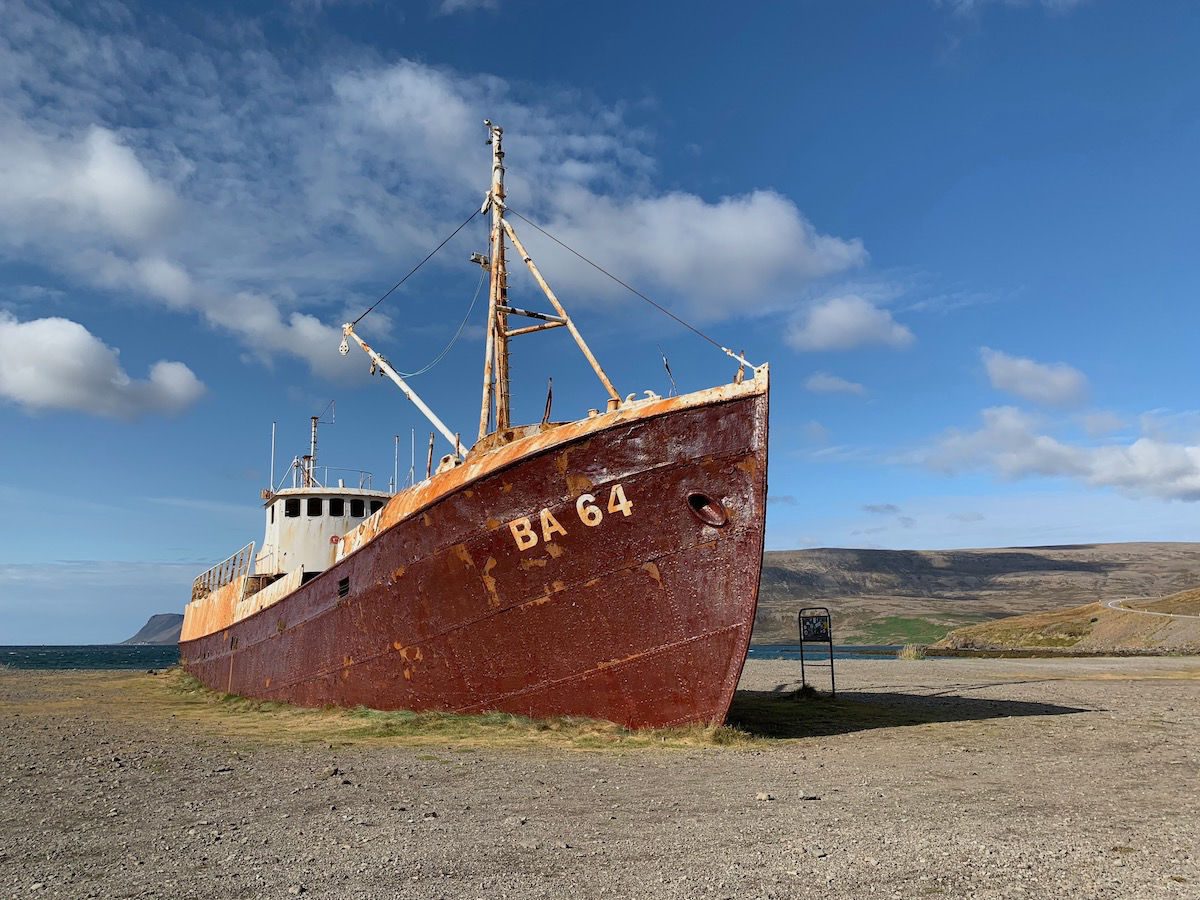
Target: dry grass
{"x": 911, "y": 651}
{"x": 1057, "y": 629}
{"x": 175, "y": 695}
{"x": 1185, "y": 603}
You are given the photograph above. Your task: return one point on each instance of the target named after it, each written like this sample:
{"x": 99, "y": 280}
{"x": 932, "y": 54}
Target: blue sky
{"x": 963, "y": 234}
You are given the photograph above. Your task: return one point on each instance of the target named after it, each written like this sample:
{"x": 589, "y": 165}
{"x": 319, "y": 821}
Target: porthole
{"x": 708, "y": 510}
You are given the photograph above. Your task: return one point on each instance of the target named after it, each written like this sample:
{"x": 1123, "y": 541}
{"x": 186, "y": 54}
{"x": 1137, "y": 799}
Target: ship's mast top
{"x": 495, "y": 365}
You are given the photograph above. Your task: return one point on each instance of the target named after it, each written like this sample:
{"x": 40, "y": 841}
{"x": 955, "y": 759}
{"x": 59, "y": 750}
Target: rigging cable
{"x": 454, "y": 340}
{"x": 632, "y": 290}
{"x": 413, "y": 270}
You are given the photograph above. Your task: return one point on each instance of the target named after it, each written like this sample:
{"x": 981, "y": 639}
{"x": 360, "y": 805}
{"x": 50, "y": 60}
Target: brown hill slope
{"x": 896, "y": 596}
{"x": 1092, "y": 628}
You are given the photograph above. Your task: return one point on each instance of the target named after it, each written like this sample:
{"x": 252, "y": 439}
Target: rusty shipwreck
{"x": 604, "y": 567}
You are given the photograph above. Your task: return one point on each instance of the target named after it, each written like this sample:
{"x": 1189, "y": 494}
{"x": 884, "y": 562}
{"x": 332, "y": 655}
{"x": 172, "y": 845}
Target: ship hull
{"x": 516, "y": 592}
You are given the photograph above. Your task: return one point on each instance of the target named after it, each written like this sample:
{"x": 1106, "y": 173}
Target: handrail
{"x": 366, "y": 480}
{"x": 224, "y": 572}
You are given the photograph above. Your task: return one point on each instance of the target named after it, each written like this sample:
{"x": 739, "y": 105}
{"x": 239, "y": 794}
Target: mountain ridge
{"x": 903, "y": 596}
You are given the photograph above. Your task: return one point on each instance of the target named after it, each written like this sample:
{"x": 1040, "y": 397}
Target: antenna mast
{"x": 495, "y": 363}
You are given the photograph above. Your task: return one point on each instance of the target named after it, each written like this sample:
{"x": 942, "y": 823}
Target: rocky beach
{"x": 954, "y": 778}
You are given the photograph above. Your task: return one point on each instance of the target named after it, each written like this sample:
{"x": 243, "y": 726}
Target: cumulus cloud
{"x": 1011, "y": 444}
{"x": 263, "y": 195}
{"x": 1049, "y": 384}
{"x": 91, "y": 183}
{"x": 841, "y": 323}
{"x": 824, "y": 383}
{"x": 54, "y": 363}
{"x": 1100, "y": 422}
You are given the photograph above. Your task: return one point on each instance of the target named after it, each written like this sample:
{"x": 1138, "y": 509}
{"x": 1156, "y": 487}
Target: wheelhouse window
{"x": 376, "y": 506}
{"x": 272, "y": 513}
{"x": 291, "y": 507}
{"x": 315, "y": 506}
{"x": 358, "y": 508}
{"x": 337, "y": 506}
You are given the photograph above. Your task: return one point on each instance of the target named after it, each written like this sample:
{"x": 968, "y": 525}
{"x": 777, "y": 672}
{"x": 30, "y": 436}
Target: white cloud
{"x": 972, "y": 7}
{"x": 264, "y": 195}
{"x": 1010, "y": 444}
{"x": 449, "y": 7}
{"x": 55, "y": 363}
{"x": 824, "y": 383}
{"x": 841, "y": 323}
{"x": 1100, "y": 422}
{"x": 722, "y": 257}
{"x": 1050, "y": 384}
{"x": 587, "y": 181}
{"x": 90, "y": 184}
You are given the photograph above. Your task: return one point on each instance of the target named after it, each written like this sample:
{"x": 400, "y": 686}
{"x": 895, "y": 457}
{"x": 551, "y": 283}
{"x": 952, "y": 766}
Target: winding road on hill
{"x": 1116, "y": 604}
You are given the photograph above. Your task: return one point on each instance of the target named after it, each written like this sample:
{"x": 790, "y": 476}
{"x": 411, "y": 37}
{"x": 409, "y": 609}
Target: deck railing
{"x": 224, "y": 572}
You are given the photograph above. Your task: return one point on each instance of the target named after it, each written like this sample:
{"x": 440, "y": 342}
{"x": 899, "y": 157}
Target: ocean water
{"x": 95, "y": 656}
{"x": 820, "y": 652}
{"x": 137, "y": 656}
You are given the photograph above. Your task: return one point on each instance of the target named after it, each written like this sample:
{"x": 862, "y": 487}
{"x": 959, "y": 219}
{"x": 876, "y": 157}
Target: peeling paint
{"x": 490, "y": 583}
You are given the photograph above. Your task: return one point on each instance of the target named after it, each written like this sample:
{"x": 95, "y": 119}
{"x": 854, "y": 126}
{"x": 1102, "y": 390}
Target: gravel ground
{"x": 1020, "y": 778}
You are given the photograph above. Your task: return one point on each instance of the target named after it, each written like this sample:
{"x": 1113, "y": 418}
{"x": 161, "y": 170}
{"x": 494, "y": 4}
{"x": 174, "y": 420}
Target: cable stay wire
{"x": 454, "y": 340}
{"x": 627, "y": 287}
{"x": 413, "y": 270}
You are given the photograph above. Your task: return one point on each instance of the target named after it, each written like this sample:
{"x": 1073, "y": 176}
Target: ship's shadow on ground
{"x": 775, "y": 714}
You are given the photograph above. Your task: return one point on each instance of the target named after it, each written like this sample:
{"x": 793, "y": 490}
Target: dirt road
{"x": 939, "y": 778}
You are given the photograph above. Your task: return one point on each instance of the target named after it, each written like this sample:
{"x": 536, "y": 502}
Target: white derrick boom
{"x": 386, "y": 368}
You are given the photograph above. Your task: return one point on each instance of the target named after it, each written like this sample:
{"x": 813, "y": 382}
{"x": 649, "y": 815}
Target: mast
{"x": 496, "y": 403}
{"x": 495, "y": 364}
{"x": 311, "y": 479}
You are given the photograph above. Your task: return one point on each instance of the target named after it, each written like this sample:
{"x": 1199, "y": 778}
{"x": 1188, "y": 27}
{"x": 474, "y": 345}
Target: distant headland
{"x": 162, "y": 628}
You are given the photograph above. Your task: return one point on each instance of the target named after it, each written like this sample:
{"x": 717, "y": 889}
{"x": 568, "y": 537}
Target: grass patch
{"x": 911, "y": 651}
{"x": 902, "y": 630}
{"x": 272, "y": 722}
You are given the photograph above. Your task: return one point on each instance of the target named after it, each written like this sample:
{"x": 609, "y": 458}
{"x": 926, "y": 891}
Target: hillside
{"x": 1092, "y": 628}
{"x": 897, "y": 596}
{"x": 163, "y": 628}
{"x": 901, "y": 596}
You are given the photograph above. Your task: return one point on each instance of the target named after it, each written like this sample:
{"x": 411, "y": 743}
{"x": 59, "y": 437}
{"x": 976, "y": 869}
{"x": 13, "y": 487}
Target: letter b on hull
{"x": 522, "y": 532}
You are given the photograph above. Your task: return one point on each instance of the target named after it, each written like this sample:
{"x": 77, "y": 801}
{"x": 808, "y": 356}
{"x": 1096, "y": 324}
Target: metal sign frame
{"x": 815, "y": 625}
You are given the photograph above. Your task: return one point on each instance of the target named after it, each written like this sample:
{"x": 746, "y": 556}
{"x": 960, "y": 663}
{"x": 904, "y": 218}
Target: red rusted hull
{"x": 644, "y": 619}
